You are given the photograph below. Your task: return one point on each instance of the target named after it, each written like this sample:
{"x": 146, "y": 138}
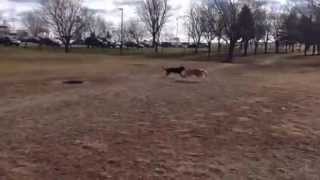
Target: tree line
{"x": 229, "y": 23}
{"x": 255, "y": 22}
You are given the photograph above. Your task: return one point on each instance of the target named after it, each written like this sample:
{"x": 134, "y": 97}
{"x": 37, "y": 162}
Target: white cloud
{"x": 107, "y": 8}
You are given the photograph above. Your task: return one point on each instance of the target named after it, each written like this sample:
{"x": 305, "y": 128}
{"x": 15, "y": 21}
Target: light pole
{"x": 177, "y": 27}
{"x": 121, "y": 33}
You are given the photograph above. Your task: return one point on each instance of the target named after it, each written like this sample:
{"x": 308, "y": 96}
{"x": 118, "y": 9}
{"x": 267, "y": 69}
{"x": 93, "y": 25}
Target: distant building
{"x": 4, "y": 30}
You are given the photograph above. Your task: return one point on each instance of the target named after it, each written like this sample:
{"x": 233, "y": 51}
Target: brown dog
{"x": 196, "y": 72}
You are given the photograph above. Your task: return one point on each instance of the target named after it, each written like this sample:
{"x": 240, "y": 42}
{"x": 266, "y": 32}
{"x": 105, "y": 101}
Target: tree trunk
{"x": 277, "y": 46}
{"x": 219, "y": 45}
{"x": 246, "y": 43}
{"x": 196, "y": 50}
{"x": 286, "y": 48}
{"x": 266, "y": 47}
{"x": 313, "y": 50}
{"x": 67, "y": 47}
{"x": 266, "y": 44}
{"x": 318, "y": 49}
{"x": 241, "y": 46}
{"x": 306, "y": 48}
{"x": 209, "y": 49}
{"x": 251, "y": 44}
{"x": 231, "y": 51}
{"x": 256, "y": 45}
{"x": 156, "y": 47}
{"x": 154, "y": 42}
{"x": 292, "y": 48}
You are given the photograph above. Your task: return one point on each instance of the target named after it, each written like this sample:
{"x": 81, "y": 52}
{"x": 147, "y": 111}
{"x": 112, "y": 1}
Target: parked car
{"x": 118, "y": 45}
{"x": 78, "y": 42}
{"x": 108, "y": 44}
{"x": 146, "y": 45}
{"x": 49, "y": 42}
{"x": 8, "y": 41}
{"x": 192, "y": 45}
{"x": 166, "y": 44}
{"x": 185, "y": 45}
{"x": 93, "y": 41}
{"x": 131, "y": 44}
{"x": 201, "y": 45}
{"x": 30, "y": 40}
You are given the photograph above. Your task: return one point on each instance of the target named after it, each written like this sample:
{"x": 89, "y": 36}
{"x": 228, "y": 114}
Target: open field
{"x": 255, "y": 119}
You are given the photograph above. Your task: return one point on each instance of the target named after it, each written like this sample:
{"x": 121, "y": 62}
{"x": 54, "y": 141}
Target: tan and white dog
{"x": 200, "y": 73}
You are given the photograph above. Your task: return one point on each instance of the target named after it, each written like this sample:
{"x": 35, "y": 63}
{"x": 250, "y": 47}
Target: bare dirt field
{"x": 258, "y": 119}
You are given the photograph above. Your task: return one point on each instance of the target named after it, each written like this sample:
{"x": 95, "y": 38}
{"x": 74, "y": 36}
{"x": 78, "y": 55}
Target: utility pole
{"x": 121, "y": 33}
{"x": 177, "y": 27}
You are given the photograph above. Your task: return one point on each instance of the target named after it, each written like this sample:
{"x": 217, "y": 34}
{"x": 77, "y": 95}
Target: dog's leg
{"x": 205, "y": 74}
{"x": 167, "y": 73}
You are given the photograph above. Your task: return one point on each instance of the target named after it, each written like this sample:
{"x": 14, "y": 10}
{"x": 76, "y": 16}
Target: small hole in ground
{"x": 73, "y": 82}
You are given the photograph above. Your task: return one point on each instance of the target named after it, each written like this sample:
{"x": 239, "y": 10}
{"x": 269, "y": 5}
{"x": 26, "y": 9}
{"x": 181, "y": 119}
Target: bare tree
{"x": 268, "y": 32}
{"x": 135, "y": 30}
{"x": 210, "y": 23}
{"x": 99, "y": 26}
{"x": 308, "y": 27}
{"x": 261, "y": 23}
{"x": 34, "y": 23}
{"x": 246, "y": 26}
{"x": 276, "y": 24}
{"x": 64, "y": 17}
{"x": 118, "y": 35}
{"x": 154, "y": 14}
{"x": 219, "y": 31}
{"x": 261, "y": 29}
{"x": 87, "y": 17}
{"x": 228, "y": 9}
{"x": 195, "y": 25}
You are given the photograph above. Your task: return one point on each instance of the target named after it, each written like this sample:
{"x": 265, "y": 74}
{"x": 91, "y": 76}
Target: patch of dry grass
{"x": 255, "y": 119}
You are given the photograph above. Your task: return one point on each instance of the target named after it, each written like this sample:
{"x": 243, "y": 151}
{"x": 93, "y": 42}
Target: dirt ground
{"x": 255, "y": 119}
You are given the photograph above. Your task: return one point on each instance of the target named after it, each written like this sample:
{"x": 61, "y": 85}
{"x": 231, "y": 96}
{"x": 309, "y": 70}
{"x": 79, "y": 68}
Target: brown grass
{"x": 255, "y": 119}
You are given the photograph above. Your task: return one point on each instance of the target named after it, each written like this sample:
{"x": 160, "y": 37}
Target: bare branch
{"x": 154, "y": 14}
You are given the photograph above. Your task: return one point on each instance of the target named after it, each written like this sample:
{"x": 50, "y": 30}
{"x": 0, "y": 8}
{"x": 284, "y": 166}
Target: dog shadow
{"x": 183, "y": 81}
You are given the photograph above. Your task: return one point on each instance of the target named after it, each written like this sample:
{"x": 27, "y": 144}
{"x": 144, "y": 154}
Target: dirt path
{"x": 243, "y": 122}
